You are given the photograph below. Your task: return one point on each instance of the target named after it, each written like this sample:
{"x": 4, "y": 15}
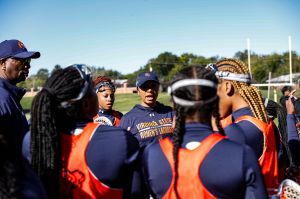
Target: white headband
{"x": 233, "y": 76}
{"x": 184, "y": 102}
{"x": 191, "y": 82}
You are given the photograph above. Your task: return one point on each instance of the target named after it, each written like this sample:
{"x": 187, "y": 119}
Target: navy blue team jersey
{"x": 245, "y": 132}
{"x": 147, "y": 123}
{"x": 108, "y": 117}
{"x": 111, "y": 156}
{"x": 230, "y": 170}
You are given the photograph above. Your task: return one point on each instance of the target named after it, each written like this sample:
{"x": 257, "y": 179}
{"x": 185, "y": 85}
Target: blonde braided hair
{"x": 249, "y": 93}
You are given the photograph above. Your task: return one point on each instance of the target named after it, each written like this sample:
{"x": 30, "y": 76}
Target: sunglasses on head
{"x": 85, "y": 71}
{"x": 212, "y": 67}
{"x": 86, "y": 74}
{"x": 228, "y": 75}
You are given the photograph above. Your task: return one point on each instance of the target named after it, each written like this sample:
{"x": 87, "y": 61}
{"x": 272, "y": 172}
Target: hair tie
{"x": 49, "y": 91}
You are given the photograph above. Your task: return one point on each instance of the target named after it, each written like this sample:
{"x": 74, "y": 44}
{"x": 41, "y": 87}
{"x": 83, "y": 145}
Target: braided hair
{"x": 249, "y": 93}
{"x": 196, "y": 93}
{"x": 49, "y": 119}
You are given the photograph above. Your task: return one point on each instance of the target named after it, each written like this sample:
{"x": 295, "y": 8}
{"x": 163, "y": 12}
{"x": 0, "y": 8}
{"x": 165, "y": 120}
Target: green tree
{"x": 101, "y": 71}
{"x": 187, "y": 58}
{"x": 41, "y": 77}
{"x": 202, "y": 61}
{"x": 242, "y": 55}
{"x": 113, "y": 74}
{"x": 162, "y": 65}
{"x": 131, "y": 78}
{"x": 173, "y": 72}
{"x": 55, "y": 68}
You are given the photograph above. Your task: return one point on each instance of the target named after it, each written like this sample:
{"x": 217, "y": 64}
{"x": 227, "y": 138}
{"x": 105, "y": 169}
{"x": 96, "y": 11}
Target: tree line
{"x": 166, "y": 64}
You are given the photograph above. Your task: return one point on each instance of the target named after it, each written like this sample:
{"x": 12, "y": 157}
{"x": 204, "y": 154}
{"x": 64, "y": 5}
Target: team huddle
{"x": 219, "y": 140}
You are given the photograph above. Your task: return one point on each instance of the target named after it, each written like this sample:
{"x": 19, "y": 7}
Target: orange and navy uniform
{"x": 217, "y": 168}
{"x": 226, "y": 121}
{"x": 268, "y": 159}
{"x": 88, "y": 169}
{"x": 265, "y": 148}
{"x": 189, "y": 173}
{"x": 108, "y": 117}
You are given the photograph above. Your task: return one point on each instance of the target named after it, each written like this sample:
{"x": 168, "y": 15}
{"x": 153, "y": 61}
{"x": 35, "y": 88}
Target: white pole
{"x": 249, "y": 64}
{"x": 270, "y": 75}
{"x": 290, "y": 58}
{"x": 275, "y": 95}
{"x": 150, "y": 67}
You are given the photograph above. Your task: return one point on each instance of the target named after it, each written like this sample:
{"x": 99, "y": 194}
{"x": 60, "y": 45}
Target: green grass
{"x": 123, "y": 102}
{"x": 26, "y": 104}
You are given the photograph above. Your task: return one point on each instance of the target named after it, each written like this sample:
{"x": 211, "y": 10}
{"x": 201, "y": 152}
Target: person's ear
{"x": 2, "y": 64}
{"x": 229, "y": 88}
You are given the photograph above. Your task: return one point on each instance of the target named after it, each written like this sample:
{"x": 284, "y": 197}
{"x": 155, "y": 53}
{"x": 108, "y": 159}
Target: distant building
{"x": 121, "y": 86}
{"x": 120, "y": 82}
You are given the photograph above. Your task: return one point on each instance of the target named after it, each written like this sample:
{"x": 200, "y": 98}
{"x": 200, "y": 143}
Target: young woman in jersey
{"x": 72, "y": 155}
{"x": 196, "y": 162}
{"x": 105, "y": 90}
{"x": 243, "y": 106}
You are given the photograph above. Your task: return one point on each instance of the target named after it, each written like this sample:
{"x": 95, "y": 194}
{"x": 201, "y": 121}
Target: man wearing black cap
{"x": 149, "y": 119}
{"x": 14, "y": 68}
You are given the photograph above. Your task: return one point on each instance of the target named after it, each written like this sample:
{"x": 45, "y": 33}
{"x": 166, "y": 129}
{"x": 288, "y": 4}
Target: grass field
{"x": 123, "y": 102}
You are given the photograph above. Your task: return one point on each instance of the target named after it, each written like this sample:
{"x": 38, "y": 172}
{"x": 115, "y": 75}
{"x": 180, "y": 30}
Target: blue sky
{"x": 124, "y": 35}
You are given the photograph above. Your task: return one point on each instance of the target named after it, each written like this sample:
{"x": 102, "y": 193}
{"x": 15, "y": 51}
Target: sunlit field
{"x": 123, "y": 102}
